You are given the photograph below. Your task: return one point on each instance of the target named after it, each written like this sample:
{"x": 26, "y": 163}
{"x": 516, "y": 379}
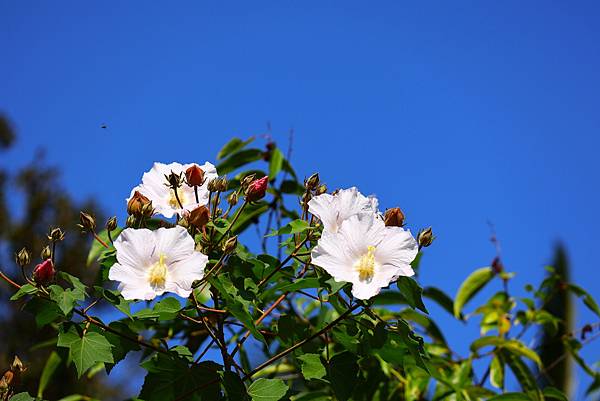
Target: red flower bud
{"x": 257, "y": 189}
{"x": 199, "y": 216}
{"x": 394, "y": 217}
{"x": 194, "y": 176}
{"x": 44, "y": 272}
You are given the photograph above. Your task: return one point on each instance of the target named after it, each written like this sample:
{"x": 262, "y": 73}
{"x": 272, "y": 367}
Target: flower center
{"x": 366, "y": 265}
{"x": 173, "y": 199}
{"x": 158, "y": 273}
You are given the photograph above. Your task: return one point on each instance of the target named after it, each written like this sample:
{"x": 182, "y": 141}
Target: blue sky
{"x": 460, "y": 113}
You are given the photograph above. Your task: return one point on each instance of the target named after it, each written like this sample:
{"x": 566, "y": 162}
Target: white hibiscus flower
{"x": 366, "y": 253}
{"x": 332, "y": 210}
{"x": 163, "y": 198}
{"x": 150, "y": 263}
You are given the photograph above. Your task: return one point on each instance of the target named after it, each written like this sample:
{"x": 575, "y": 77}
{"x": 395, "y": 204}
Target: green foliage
{"x": 267, "y": 390}
{"x": 85, "y": 349}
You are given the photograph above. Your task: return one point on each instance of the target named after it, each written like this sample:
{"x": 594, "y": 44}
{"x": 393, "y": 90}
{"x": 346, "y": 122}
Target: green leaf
{"x": 411, "y": 291}
{"x": 170, "y": 377}
{"x": 471, "y": 286}
{"x": 276, "y": 163}
{"x": 97, "y": 250}
{"x": 44, "y": 311}
{"x": 510, "y": 397}
{"x": 52, "y": 363}
{"x": 554, "y": 393}
{"x": 120, "y": 346}
{"x": 518, "y": 348}
{"x": 234, "y": 387}
{"x": 413, "y": 342}
{"x": 441, "y": 298}
{"x": 267, "y": 390}
{"x": 86, "y": 350}
{"x": 312, "y": 367}
{"x": 497, "y": 372}
{"x": 238, "y": 159}
{"x": 343, "y": 371}
{"x": 233, "y": 145}
{"x": 65, "y": 299}
{"x": 26, "y": 289}
{"x": 168, "y": 308}
{"x": 523, "y": 375}
{"x": 293, "y": 227}
{"x": 22, "y": 397}
{"x": 250, "y": 215}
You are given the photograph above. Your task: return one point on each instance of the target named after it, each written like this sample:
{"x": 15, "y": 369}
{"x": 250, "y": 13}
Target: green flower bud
{"x": 312, "y": 182}
{"x": 23, "y": 257}
{"x": 111, "y": 224}
{"x": 425, "y": 237}
{"x": 230, "y": 245}
{"x": 46, "y": 253}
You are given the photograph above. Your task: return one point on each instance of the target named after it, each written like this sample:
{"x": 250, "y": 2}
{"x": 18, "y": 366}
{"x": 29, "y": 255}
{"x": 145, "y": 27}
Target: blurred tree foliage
{"x": 32, "y": 202}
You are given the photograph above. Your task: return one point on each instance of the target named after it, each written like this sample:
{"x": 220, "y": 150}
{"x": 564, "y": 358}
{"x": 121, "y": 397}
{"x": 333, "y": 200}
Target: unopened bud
{"x": 136, "y": 203}
{"x": 394, "y": 217}
{"x": 497, "y": 266}
{"x": 312, "y": 182}
{"x": 111, "y": 224}
{"x": 87, "y": 222}
{"x": 230, "y": 245}
{"x": 321, "y": 189}
{"x": 131, "y": 220}
{"x": 232, "y": 199}
{"x": 46, "y": 252}
{"x": 306, "y": 197}
{"x": 222, "y": 184}
{"x": 425, "y": 237}
{"x": 17, "y": 366}
{"x": 213, "y": 185}
{"x": 23, "y": 257}
{"x": 199, "y": 216}
{"x": 44, "y": 272}
{"x": 147, "y": 210}
{"x": 194, "y": 176}
{"x": 183, "y": 222}
{"x": 174, "y": 180}
{"x": 56, "y": 234}
{"x": 257, "y": 189}
{"x": 247, "y": 181}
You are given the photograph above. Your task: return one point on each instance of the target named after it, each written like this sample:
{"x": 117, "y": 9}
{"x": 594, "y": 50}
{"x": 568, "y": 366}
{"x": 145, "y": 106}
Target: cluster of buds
{"x": 257, "y": 189}
{"x": 139, "y": 206}
{"x": 194, "y": 176}
{"x": 425, "y": 237}
{"x": 218, "y": 184}
{"x": 394, "y": 217}
{"x": 11, "y": 378}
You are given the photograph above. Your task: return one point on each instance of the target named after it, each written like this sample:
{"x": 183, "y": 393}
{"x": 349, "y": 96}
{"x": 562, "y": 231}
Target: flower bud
{"x": 46, "y": 252}
{"x": 213, "y": 185}
{"x": 174, "y": 180}
{"x": 56, "y": 234}
{"x": 183, "y": 222}
{"x": 394, "y": 217}
{"x": 321, "y": 189}
{"x": 425, "y": 237}
{"x": 147, "y": 210}
{"x": 136, "y": 203}
{"x": 230, "y": 245}
{"x": 44, "y": 272}
{"x": 222, "y": 184}
{"x": 87, "y": 222}
{"x": 199, "y": 216}
{"x": 194, "y": 176}
{"x": 312, "y": 182}
{"x": 232, "y": 199}
{"x": 23, "y": 257}
{"x": 111, "y": 224}
{"x": 247, "y": 180}
{"x": 17, "y": 366}
{"x": 257, "y": 189}
{"x": 497, "y": 265}
{"x": 131, "y": 220}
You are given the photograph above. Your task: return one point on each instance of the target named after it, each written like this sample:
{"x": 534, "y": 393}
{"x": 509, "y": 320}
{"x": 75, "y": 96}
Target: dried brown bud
{"x": 497, "y": 265}
{"x": 17, "y": 366}
{"x": 394, "y": 217}
{"x": 232, "y": 199}
{"x": 23, "y": 257}
{"x": 44, "y": 272}
{"x": 312, "y": 182}
{"x": 257, "y": 189}
{"x": 230, "y": 245}
{"x": 131, "y": 221}
{"x": 321, "y": 189}
{"x": 174, "y": 180}
{"x": 425, "y": 237}
{"x": 46, "y": 252}
{"x": 136, "y": 203}
{"x": 199, "y": 216}
{"x": 147, "y": 210}
{"x": 56, "y": 234}
{"x": 213, "y": 185}
{"x": 194, "y": 176}
{"x": 87, "y": 222}
{"x": 247, "y": 180}
{"x": 111, "y": 224}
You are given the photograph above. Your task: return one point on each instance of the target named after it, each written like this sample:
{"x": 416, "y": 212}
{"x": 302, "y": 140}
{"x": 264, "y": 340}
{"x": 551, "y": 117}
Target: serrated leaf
{"x": 65, "y": 299}
{"x": 267, "y": 390}
{"x": 471, "y": 286}
{"x": 22, "y": 397}
{"x": 26, "y": 289}
{"x": 168, "y": 308}
{"x": 44, "y": 311}
{"x": 52, "y": 363}
{"x": 86, "y": 350}
{"x": 312, "y": 367}
{"x": 233, "y": 145}
{"x": 276, "y": 163}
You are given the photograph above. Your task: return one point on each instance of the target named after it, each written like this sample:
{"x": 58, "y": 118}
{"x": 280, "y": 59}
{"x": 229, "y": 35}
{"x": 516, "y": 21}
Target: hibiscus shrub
{"x": 323, "y": 306}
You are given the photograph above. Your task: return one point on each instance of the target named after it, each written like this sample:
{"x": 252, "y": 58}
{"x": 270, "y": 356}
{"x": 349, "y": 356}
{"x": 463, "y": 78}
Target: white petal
{"x": 397, "y": 248}
{"x": 364, "y": 291}
{"x": 135, "y": 247}
{"x": 174, "y": 243}
{"x": 132, "y": 282}
{"x": 183, "y": 273}
{"x": 320, "y": 206}
{"x": 361, "y": 231}
{"x": 332, "y": 255}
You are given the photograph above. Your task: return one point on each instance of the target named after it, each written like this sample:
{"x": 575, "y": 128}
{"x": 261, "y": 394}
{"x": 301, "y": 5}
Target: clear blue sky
{"x": 459, "y": 112}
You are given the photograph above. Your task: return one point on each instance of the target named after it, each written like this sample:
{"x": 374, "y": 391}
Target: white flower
{"x": 366, "y": 253}
{"x": 163, "y": 198}
{"x": 150, "y": 263}
{"x": 332, "y": 210}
